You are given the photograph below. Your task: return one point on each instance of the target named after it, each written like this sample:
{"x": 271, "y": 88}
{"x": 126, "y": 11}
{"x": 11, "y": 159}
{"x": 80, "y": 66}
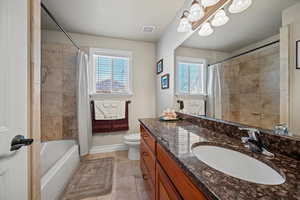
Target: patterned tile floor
{"x": 128, "y": 182}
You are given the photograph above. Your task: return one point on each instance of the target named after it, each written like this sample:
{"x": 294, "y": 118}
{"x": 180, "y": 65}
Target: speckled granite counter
{"x": 178, "y": 138}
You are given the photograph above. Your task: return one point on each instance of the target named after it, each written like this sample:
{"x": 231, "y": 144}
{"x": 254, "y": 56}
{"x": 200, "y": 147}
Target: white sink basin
{"x": 238, "y": 165}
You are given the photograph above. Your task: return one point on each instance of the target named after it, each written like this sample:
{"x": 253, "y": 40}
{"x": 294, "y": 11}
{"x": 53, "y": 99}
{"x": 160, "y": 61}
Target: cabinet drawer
{"x": 149, "y": 186}
{"x": 148, "y": 139}
{"x": 149, "y": 160}
{"x": 182, "y": 182}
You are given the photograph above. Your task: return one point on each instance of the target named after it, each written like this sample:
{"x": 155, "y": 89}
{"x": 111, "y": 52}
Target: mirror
{"x": 238, "y": 73}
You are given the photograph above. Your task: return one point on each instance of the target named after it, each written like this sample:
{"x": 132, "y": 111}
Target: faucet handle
{"x": 251, "y": 132}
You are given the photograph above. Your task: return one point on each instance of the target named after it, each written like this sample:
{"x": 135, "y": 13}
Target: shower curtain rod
{"x": 241, "y": 54}
{"x": 59, "y": 26}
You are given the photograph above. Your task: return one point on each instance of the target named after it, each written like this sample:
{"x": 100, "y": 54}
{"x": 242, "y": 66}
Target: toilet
{"x": 133, "y": 142}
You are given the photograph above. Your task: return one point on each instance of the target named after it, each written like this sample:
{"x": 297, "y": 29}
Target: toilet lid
{"x": 133, "y": 137}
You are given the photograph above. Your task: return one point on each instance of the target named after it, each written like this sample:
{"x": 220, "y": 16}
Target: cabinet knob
{"x": 145, "y": 153}
{"x": 145, "y": 177}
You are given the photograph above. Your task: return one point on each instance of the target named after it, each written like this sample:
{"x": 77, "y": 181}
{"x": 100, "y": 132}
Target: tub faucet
{"x": 253, "y": 141}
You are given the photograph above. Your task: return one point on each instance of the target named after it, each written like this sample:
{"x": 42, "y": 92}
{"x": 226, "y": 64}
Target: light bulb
{"x": 196, "y": 11}
{"x": 239, "y": 6}
{"x": 184, "y": 25}
{"x": 220, "y": 18}
{"x": 207, "y": 3}
{"x": 206, "y": 30}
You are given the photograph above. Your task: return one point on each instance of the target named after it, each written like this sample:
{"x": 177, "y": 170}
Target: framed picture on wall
{"x": 159, "y": 66}
{"x": 165, "y": 81}
{"x": 298, "y": 54}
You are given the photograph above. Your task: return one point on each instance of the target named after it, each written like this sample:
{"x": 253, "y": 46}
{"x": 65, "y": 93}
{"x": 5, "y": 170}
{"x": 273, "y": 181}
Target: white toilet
{"x": 133, "y": 142}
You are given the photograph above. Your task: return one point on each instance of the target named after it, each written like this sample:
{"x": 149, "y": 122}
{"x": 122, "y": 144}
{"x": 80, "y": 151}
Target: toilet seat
{"x": 135, "y": 137}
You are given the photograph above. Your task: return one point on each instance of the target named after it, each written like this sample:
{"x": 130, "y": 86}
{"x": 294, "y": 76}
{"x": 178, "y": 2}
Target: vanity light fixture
{"x": 184, "y": 24}
{"x": 206, "y": 30}
{"x": 196, "y": 11}
{"x": 239, "y": 6}
{"x": 207, "y": 3}
{"x": 220, "y": 18}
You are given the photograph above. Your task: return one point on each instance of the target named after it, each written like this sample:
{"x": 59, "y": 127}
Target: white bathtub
{"x": 59, "y": 160}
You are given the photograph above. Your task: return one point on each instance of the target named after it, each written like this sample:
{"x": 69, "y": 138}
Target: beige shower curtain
{"x": 83, "y": 105}
{"x": 214, "y": 95}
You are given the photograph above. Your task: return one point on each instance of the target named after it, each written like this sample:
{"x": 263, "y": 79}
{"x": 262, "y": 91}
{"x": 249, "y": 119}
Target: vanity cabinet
{"x": 162, "y": 175}
{"x": 165, "y": 189}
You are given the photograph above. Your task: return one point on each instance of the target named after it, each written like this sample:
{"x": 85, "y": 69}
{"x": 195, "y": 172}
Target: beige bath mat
{"x": 93, "y": 178}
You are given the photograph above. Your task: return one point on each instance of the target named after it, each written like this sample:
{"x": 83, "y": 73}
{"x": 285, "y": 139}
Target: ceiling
{"x": 260, "y": 21}
{"x": 112, "y": 18}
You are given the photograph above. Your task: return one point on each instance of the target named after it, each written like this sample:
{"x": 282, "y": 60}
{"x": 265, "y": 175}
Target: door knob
{"x": 19, "y": 141}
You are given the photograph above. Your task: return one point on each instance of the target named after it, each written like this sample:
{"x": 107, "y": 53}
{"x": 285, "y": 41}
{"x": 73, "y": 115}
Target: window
{"x": 191, "y": 79}
{"x": 111, "y": 73}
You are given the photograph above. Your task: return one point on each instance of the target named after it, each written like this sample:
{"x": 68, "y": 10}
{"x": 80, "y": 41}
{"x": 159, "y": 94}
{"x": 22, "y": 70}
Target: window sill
{"x": 190, "y": 95}
{"x": 98, "y": 95}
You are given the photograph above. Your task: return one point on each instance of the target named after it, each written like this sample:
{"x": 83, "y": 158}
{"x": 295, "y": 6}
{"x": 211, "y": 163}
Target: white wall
{"x": 143, "y": 99}
{"x": 291, "y": 19}
{"x": 209, "y": 55}
{"x": 166, "y": 46}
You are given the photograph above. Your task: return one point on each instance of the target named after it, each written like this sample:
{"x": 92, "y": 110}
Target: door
{"x": 165, "y": 189}
{"x": 13, "y": 98}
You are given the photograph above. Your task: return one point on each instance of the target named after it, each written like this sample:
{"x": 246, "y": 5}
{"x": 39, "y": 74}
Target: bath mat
{"x": 93, "y": 178}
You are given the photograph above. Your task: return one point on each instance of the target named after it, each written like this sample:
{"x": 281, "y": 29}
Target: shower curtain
{"x": 214, "y": 96}
{"x": 83, "y": 106}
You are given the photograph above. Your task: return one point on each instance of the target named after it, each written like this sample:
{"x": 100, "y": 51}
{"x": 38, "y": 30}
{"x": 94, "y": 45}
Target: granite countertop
{"x": 178, "y": 139}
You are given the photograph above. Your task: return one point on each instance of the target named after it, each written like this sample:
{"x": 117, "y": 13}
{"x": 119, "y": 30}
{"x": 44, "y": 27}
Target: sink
{"x": 238, "y": 165}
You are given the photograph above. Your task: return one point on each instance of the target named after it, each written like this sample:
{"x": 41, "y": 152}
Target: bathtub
{"x": 59, "y": 160}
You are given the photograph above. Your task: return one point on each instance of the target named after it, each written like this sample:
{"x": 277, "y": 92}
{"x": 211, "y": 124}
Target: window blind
{"x": 111, "y": 74}
{"x": 190, "y": 77}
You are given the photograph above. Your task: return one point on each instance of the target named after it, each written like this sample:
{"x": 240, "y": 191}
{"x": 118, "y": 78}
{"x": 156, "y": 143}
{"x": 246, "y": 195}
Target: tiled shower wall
{"x": 58, "y": 92}
{"x": 251, "y": 88}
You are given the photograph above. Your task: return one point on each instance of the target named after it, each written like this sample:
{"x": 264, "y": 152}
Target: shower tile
{"x": 232, "y": 71}
{"x": 52, "y": 79}
{"x": 69, "y": 78}
{"x": 234, "y": 102}
{"x": 269, "y": 51}
{"x": 69, "y": 105}
{"x": 69, "y": 127}
{"x": 268, "y": 121}
{"x": 52, "y": 103}
{"x": 51, "y": 128}
{"x": 249, "y": 118}
{"x": 249, "y": 83}
{"x": 270, "y": 103}
{"x": 230, "y": 86}
{"x": 249, "y": 67}
{"x": 234, "y": 116}
{"x": 271, "y": 63}
{"x": 250, "y": 102}
{"x": 69, "y": 57}
{"x": 269, "y": 82}
{"x": 52, "y": 56}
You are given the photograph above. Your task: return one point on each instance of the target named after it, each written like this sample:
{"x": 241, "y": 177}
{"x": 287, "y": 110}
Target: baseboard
{"x": 108, "y": 148}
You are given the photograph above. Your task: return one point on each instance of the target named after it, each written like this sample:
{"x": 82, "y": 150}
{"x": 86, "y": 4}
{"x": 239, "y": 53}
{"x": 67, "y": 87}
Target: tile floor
{"x": 128, "y": 182}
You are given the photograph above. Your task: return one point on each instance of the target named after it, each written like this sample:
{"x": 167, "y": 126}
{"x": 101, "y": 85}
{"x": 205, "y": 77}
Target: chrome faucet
{"x": 281, "y": 129}
{"x": 253, "y": 141}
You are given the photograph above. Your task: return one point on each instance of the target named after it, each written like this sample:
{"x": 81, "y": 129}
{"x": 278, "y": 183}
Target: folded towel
{"x": 109, "y": 110}
{"x": 194, "y": 107}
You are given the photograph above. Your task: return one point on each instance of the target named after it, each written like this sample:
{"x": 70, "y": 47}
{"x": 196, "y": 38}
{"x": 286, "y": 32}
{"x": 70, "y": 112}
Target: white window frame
{"x": 204, "y": 78}
{"x": 92, "y": 70}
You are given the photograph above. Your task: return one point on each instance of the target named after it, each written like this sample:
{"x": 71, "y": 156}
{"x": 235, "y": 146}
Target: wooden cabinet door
{"x": 149, "y": 186}
{"x": 165, "y": 190}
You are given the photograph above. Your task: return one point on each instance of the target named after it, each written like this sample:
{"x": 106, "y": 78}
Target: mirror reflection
{"x": 235, "y": 69}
